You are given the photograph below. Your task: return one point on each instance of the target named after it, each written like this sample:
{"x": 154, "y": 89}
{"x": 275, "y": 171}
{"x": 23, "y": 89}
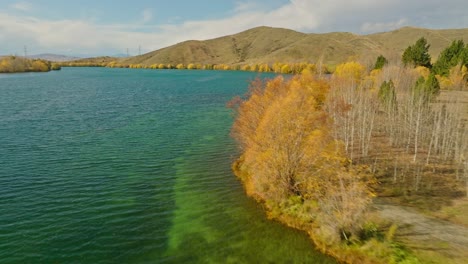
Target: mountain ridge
{"x": 268, "y": 45}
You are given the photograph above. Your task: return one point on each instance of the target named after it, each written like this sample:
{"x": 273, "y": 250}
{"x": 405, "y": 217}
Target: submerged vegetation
{"x": 316, "y": 150}
{"x": 13, "y": 64}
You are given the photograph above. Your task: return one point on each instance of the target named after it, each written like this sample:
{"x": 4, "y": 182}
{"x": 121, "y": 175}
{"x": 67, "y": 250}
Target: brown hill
{"x": 92, "y": 60}
{"x": 269, "y": 45}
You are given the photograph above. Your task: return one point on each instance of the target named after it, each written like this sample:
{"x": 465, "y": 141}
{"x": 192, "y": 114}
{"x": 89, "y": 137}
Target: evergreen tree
{"x": 417, "y": 54}
{"x": 464, "y": 56}
{"x": 407, "y": 57}
{"x": 450, "y": 57}
{"x": 432, "y": 86}
{"x": 426, "y": 89}
{"x": 386, "y": 91}
{"x": 381, "y": 61}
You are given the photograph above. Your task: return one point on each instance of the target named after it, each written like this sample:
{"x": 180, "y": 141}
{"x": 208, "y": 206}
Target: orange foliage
{"x": 39, "y": 65}
{"x": 289, "y": 151}
{"x": 350, "y": 70}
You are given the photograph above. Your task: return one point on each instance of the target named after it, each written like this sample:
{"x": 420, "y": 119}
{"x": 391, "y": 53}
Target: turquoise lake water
{"x": 129, "y": 166}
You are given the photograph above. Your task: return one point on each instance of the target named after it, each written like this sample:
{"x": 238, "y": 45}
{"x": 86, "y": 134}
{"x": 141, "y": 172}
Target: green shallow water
{"x": 129, "y": 166}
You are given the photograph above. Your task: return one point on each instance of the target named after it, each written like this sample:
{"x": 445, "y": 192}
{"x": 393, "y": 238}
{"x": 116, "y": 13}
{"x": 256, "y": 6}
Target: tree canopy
{"x": 289, "y": 153}
{"x": 417, "y": 54}
{"x": 11, "y": 64}
{"x": 380, "y": 62}
{"x": 456, "y": 53}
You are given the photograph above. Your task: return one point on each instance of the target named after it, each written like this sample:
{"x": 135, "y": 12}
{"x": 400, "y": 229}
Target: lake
{"x": 129, "y": 166}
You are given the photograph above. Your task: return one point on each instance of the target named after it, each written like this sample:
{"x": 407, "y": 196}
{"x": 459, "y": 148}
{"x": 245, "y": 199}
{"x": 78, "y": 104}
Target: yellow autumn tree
{"x": 422, "y": 71}
{"x": 344, "y": 199}
{"x": 20, "y": 64}
{"x": 264, "y": 68}
{"x": 289, "y": 153}
{"x": 458, "y": 78}
{"x": 251, "y": 111}
{"x": 277, "y": 67}
{"x": 245, "y": 67}
{"x": 5, "y": 65}
{"x": 39, "y": 65}
{"x": 282, "y": 138}
{"x": 350, "y": 70}
{"x": 286, "y": 69}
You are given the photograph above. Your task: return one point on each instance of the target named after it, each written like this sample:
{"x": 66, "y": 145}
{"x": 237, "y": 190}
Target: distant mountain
{"x": 53, "y": 57}
{"x": 120, "y": 55}
{"x": 269, "y": 45}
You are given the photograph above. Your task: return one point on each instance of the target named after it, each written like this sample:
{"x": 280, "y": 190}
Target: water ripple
{"x": 123, "y": 166}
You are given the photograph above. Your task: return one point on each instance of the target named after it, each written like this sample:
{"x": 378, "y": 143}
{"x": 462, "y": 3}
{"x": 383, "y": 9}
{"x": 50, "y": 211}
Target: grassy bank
{"x": 375, "y": 243}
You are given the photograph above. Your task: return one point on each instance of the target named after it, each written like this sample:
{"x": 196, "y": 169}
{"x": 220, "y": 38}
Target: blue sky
{"x": 109, "y": 27}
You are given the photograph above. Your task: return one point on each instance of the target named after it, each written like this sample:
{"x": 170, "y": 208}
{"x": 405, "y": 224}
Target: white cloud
{"x": 242, "y": 6}
{"x": 85, "y": 36}
{"x": 80, "y": 36}
{"x": 22, "y": 6}
{"x": 380, "y": 27}
{"x": 147, "y": 15}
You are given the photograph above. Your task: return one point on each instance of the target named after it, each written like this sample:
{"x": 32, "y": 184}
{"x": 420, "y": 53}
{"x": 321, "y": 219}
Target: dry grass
{"x": 455, "y": 212}
{"x": 399, "y": 39}
{"x": 95, "y": 60}
{"x": 269, "y": 45}
{"x": 441, "y": 190}
{"x": 460, "y": 97}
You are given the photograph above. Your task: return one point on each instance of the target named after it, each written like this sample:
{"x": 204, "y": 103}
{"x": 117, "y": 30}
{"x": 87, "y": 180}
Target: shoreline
{"x": 337, "y": 251}
{"x": 416, "y": 227}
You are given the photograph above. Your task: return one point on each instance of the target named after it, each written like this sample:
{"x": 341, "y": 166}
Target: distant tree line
{"x": 285, "y": 68}
{"x": 13, "y": 64}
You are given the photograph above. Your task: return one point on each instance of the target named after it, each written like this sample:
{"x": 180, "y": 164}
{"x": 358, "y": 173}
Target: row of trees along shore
{"x": 316, "y": 150}
{"x": 13, "y": 64}
{"x": 449, "y": 68}
{"x": 284, "y": 68}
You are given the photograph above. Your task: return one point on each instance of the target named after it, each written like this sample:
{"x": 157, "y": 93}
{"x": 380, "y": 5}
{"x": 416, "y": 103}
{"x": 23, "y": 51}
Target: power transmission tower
{"x": 127, "y": 53}
{"x": 25, "y": 51}
{"x": 139, "y": 50}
